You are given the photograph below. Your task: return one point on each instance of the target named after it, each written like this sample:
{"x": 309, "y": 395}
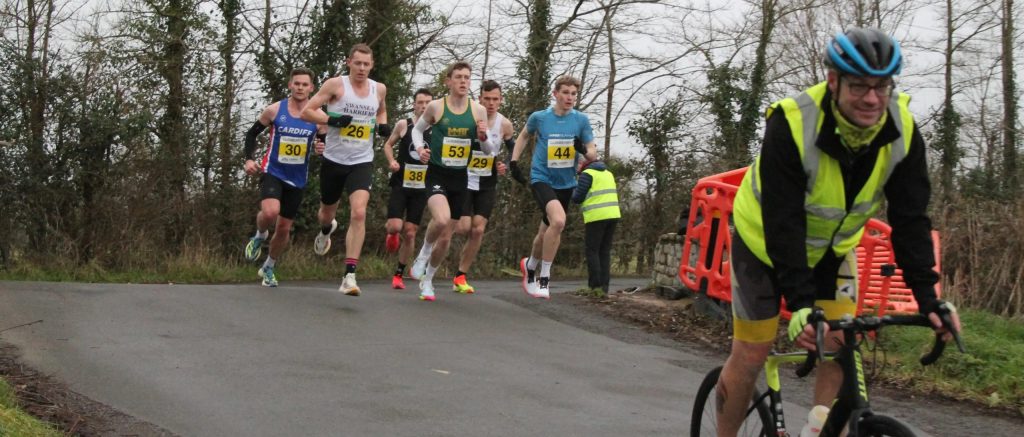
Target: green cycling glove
{"x": 797, "y": 321}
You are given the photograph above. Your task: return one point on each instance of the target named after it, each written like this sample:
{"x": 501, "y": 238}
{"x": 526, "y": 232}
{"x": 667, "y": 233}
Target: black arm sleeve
{"x": 250, "y": 139}
{"x": 783, "y": 183}
{"x": 908, "y": 192}
{"x": 582, "y": 187}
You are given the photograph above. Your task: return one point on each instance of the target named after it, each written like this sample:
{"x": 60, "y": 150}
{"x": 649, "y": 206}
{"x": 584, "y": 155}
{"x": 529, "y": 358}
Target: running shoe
{"x": 419, "y": 268}
{"x": 543, "y": 289}
{"x": 254, "y": 249}
{"x": 349, "y": 286}
{"x": 396, "y": 282}
{"x": 529, "y": 282}
{"x": 267, "y": 274}
{"x": 426, "y": 291}
{"x": 392, "y": 243}
{"x": 322, "y": 243}
{"x": 461, "y": 286}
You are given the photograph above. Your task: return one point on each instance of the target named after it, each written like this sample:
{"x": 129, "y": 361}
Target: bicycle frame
{"x": 774, "y": 393}
{"x": 852, "y": 401}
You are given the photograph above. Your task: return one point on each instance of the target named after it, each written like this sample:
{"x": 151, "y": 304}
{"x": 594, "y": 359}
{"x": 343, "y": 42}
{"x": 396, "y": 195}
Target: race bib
{"x": 455, "y": 152}
{"x": 359, "y": 130}
{"x": 480, "y": 163}
{"x": 560, "y": 153}
{"x": 291, "y": 150}
{"x": 415, "y": 176}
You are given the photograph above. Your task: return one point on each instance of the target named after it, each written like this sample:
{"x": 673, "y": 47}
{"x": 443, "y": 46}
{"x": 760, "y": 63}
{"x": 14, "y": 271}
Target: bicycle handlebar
{"x": 873, "y": 323}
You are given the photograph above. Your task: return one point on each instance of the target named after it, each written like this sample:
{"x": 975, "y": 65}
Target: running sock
{"x": 325, "y": 229}
{"x": 262, "y": 234}
{"x": 400, "y": 270}
{"x": 459, "y": 273}
{"x": 430, "y": 272}
{"x": 269, "y": 262}
{"x": 545, "y": 269}
{"x": 426, "y": 250}
{"x": 531, "y": 263}
{"x": 350, "y": 265}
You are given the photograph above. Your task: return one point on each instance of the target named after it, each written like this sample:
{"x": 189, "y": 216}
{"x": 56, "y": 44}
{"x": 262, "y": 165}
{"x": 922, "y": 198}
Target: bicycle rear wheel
{"x": 704, "y": 421}
{"x": 878, "y": 426}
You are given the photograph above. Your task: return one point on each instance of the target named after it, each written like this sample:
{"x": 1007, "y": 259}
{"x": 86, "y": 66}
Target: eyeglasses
{"x": 883, "y": 89}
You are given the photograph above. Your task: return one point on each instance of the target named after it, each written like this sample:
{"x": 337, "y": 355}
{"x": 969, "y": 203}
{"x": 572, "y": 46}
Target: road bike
{"x": 851, "y": 409}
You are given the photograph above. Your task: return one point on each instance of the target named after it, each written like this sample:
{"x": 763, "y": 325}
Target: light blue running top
{"x": 554, "y": 158}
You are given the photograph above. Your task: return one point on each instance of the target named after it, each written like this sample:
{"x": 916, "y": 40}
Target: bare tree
{"x": 1010, "y": 173}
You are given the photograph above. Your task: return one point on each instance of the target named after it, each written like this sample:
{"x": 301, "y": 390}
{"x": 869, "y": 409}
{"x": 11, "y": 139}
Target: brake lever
{"x": 947, "y": 321}
{"x": 819, "y": 336}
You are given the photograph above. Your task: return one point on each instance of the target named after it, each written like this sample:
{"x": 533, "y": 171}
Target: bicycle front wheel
{"x": 704, "y": 421}
{"x": 878, "y": 426}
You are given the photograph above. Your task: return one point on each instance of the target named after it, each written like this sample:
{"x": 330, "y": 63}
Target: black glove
{"x": 339, "y": 120}
{"x": 937, "y": 306}
{"x": 577, "y": 143}
{"x": 384, "y": 130}
{"x": 516, "y": 173}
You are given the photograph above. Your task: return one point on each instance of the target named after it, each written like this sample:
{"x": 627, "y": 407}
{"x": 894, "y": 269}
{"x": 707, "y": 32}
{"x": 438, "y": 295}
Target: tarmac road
{"x": 305, "y": 360}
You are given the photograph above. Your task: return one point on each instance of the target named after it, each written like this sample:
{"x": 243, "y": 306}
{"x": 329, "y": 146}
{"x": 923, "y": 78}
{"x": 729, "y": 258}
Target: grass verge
{"x": 989, "y": 373}
{"x": 16, "y": 423}
{"x": 198, "y": 266}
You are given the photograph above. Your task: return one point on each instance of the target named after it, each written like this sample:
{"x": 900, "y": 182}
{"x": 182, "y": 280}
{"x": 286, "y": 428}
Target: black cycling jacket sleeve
{"x": 908, "y": 191}
{"x": 582, "y": 187}
{"x": 250, "y": 139}
{"x": 783, "y": 183}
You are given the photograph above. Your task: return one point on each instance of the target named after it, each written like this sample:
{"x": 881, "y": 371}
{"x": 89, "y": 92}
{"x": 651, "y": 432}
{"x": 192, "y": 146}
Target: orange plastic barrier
{"x": 704, "y": 267}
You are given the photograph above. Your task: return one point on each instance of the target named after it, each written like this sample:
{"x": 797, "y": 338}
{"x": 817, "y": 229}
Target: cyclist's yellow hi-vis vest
{"x": 602, "y": 202}
{"x": 829, "y": 223}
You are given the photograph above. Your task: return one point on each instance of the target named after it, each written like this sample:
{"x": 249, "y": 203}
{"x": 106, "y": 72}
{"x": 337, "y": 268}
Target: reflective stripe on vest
{"x": 829, "y": 223}
{"x": 602, "y": 201}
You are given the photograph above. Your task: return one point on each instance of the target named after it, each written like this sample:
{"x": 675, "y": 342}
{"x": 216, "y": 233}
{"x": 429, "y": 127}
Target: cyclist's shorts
{"x": 756, "y": 299}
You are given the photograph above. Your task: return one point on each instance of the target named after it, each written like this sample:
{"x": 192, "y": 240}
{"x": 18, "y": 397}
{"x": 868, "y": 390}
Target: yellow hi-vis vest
{"x": 602, "y": 201}
{"x": 829, "y": 223}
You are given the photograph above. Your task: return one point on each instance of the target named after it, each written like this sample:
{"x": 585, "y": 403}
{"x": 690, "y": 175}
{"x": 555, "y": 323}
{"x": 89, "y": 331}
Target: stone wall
{"x": 667, "y": 255}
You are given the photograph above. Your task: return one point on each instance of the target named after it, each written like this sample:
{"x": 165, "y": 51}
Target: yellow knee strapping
{"x": 755, "y": 331}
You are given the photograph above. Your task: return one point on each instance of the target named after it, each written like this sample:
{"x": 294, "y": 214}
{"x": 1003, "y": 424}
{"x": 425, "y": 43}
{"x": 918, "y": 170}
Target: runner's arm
{"x": 426, "y": 120}
{"x": 382, "y": 111}
{"x": 312, "y": 112}
{"x": 396, "y": 134}
{"x": 265, "y": 119}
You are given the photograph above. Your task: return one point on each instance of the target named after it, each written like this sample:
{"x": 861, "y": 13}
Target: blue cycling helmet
{"x": 864, "y": 52}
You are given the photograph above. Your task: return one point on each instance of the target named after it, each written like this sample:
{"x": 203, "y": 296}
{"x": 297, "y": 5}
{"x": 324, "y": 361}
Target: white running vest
{"x": 353, "y": 144}
{"x": 494, "y": 136}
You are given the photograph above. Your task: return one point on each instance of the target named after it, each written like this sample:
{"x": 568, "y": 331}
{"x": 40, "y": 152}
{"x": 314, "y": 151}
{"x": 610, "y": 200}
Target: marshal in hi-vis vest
{"x": 829, "y": 223}
{"x": 602, "y": 201}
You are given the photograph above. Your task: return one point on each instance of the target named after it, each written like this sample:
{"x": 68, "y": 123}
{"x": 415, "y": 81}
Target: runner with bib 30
{"x": 284, "y": 169}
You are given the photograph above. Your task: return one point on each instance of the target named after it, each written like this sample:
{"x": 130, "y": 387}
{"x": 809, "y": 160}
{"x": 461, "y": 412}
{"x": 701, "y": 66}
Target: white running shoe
{"x": 419, "y": 268}
{"x": 322, "y": 243}
{"x": 427, "y": 290}
{"x": 542, "y": 289}
{"x": 349, "y": 286}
